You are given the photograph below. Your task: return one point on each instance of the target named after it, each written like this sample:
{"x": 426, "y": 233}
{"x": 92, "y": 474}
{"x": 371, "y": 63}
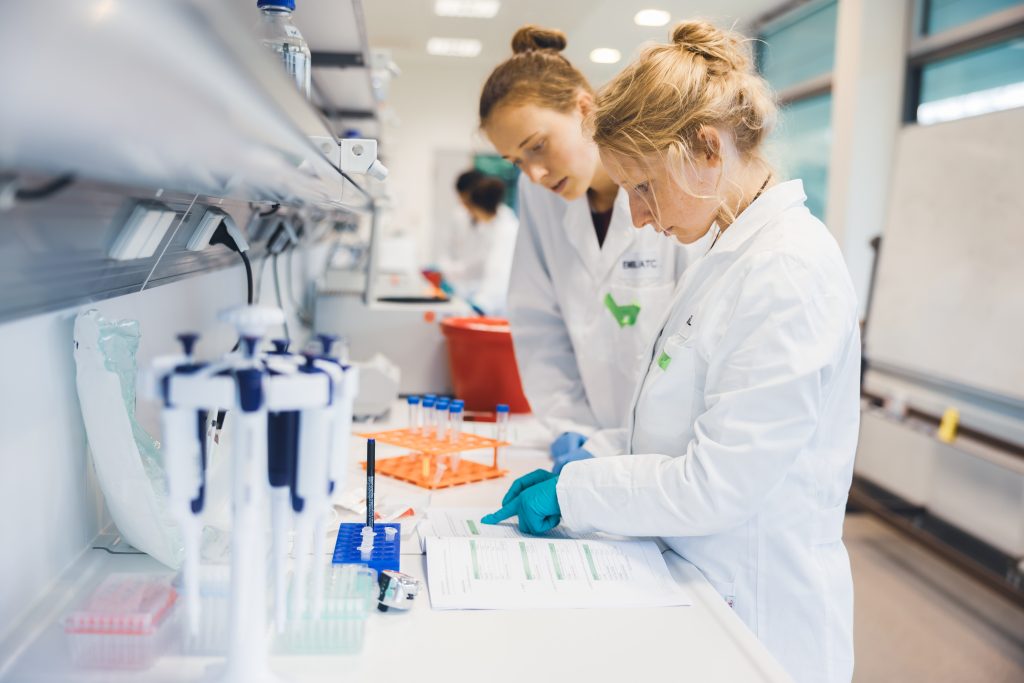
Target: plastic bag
{"x": 126, "y": 458}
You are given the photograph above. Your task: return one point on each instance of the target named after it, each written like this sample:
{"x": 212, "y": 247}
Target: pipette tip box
{"x": 124, "y": 624}
{"x": 350, "y": 592}
{"x": 385, "y": 554}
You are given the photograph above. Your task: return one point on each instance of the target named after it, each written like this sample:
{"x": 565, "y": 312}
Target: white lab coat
{"x": 491, "y": 292}
{"x": 577, "y": 364}
{"x": 463, "y": 252}
{"x": 477, "y": 258}
{"x": 742, "y": 438}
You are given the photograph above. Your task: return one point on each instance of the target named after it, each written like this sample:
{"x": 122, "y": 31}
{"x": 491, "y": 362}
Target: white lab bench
{"x": 702, "y": 642}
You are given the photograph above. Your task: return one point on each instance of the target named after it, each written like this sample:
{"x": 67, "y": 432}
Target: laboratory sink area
{"x": 518, "y": 341}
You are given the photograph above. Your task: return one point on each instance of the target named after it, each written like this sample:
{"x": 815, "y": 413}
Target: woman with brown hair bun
{"x": 485, "y": 203}
{"x": 587, "y": 290}
{"x": 745, "y": 423}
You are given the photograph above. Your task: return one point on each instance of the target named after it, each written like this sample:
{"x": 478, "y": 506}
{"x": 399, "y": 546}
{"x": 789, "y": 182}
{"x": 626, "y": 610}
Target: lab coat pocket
{"x": 829, "y": 526}
{"x": 664, "y": 418}
{"x": 727, "y": 589}
{"x": 678, "y": 346}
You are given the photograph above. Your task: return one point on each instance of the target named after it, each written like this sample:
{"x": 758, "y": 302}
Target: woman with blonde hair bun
{"x": 741, "y": 446}
{"x": 587, "y": 291}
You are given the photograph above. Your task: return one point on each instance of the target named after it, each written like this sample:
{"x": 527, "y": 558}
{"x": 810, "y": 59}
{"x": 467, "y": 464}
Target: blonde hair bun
{"x": 532, "y": 37}
{"x": 713, "y": 44}
{"x": 664, "y": 99}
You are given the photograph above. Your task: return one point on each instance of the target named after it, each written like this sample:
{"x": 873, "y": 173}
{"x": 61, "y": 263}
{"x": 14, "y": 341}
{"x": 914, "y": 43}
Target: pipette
{"x": 251, "y": 380}
{"x": 282, "y": 455}
{"x": 311, "y": 484}
{"x": 345, "y": 392}
{"x": 184, "y": 444}
{"x": 344, "y": 387}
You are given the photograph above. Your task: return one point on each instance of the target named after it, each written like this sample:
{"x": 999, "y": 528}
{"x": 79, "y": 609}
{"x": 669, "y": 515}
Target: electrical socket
{"x": 142, "y": 232}
{"x": 208, "y": 224}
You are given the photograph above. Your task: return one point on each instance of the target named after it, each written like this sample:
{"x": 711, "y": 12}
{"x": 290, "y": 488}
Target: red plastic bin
{"x": 483, "y": 364}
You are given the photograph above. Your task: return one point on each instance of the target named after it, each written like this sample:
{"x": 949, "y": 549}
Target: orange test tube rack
{"x": 430, "y": 455}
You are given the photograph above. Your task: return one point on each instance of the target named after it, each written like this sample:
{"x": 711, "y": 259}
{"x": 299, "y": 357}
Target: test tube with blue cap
{"x": 501, "y": 428}
{"x": 414, "y": 413}
{"x": 428, "y": 415}
{"x": 441, "y": 418}
{"x": 455, "y": 421}
{"x": 455, "y": 433}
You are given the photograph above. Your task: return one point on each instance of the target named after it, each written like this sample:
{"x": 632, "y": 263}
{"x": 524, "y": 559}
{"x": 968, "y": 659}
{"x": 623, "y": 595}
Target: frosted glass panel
{"x": 800, "y": 47}
{"x": 802, "y": 144}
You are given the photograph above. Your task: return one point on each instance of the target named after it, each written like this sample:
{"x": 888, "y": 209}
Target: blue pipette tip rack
{"x": 385, "y": 554}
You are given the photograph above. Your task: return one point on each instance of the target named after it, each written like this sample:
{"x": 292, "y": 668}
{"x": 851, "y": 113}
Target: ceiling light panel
{"x": 454, "y": 47}
{"x": 473, "y": 9}
{"x": 605, "y": 55}
{"x": 652, "y": 17}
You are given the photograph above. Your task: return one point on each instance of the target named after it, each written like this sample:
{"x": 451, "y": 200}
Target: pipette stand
{"x": 242, "y": 384}
{"x": 430, "y": 454}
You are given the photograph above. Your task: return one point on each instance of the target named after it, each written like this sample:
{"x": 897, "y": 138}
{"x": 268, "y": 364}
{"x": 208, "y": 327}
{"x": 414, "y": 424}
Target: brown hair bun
{"x": 536, "y": 73}
{"x": 532, "y": 37}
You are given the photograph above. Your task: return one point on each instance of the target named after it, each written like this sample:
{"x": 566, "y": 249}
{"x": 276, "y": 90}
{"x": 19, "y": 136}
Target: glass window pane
{"x": 990, "y": 79}
{"x": 942, "y": 15}
{"x": 801, "y": 147}
{"x": 799, "y": 47}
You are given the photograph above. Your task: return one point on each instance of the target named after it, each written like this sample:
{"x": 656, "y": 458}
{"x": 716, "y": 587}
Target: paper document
{"x": 480, "y": 572}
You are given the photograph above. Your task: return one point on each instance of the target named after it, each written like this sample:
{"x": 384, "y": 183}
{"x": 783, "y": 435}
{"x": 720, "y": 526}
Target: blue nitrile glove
{"x": 571, "y": 456}
{"x": 524, "y": 482}
{"x": 536, "y": 507}
{"x": 567, "y": 441}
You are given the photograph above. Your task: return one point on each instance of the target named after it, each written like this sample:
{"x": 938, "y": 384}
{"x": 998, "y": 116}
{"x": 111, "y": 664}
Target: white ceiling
{"x": 403, "y": 26}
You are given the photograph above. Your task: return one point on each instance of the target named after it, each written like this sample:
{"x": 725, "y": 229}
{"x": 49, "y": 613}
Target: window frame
{"x": 924, "y": 49}
{"x": 816, "y": 86}
{"x": 792, "y": 12}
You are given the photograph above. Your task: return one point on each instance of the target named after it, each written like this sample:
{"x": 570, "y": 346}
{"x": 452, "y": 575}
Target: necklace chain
{"x": 763, "y": 185}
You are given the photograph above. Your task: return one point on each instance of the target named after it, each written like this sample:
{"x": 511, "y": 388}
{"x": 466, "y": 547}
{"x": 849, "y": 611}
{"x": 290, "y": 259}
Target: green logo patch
{"x": 624, "y": 315}
{"x": 663, "y": 360}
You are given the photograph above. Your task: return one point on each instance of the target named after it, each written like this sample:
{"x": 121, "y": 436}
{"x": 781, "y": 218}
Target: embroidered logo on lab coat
{"x": 624, "y": 314}
{"x": 639, "y": 267}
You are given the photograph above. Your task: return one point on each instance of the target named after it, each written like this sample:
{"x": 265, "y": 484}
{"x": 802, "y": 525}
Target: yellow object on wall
{"x": 947, "y": 426}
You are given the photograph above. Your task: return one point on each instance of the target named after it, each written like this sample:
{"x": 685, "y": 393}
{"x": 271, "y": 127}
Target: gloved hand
{"x": 524, "y": 482}
{"x": 536, "y": 506}
{"x": 566, "y": 441}
{"x": 571, "y": 456}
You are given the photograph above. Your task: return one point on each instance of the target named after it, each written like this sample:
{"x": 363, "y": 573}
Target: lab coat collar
{"x": 579, "y": 228}
{"x": 621, "y": 235}
{"x": 760, "y": 213}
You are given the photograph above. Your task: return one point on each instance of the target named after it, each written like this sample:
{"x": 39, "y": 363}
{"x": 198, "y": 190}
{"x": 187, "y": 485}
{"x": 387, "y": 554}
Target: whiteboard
{"x": 949, "y": 290}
